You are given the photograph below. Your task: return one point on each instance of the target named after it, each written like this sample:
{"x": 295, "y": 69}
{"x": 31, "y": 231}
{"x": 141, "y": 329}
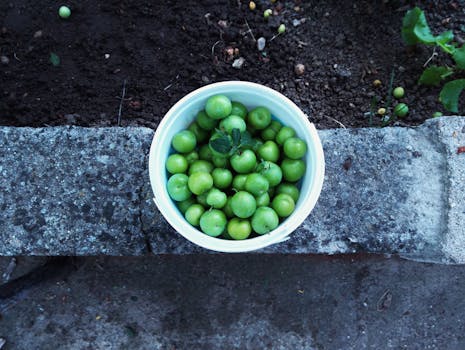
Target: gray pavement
{"x": 236, "y": 302}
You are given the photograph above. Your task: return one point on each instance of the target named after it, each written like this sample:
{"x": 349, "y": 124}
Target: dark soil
{"x": 165, "y": 49}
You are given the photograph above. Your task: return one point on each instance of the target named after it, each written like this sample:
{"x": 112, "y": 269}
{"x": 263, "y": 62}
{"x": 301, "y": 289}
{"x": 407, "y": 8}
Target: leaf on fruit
{"x": 450, "y": 94}
{"x": 459, "y": 57}
{"x": 247, "y": 140}
{"x": 236, "y": 136}
{"x": 54, "y": 59}
{"x": 434, "y": 74}
{"x": 221, "y": 144}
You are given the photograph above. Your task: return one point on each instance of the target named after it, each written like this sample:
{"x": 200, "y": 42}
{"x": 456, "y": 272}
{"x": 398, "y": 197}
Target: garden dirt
{"x": 160, "y": 51}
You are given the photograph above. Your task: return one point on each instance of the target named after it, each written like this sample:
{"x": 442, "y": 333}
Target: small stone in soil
{"x": 299, "y": 69}
{"x": 38, "y": 34}
{"x": 238, "y": 63}
{"x": 343, "y": 72}
{"x": 222, "y": 24}
{"x": 261, "y": 42}
{"x": 4, "y": 60}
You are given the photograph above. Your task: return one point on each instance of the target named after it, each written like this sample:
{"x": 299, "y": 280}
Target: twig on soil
{"x": 16, "y": 57}
{"x": 170, "y": 84}
{"x": 2, "y": 342}
{"x": 9, "y": 270}
{"x": 213, "y": 48}
{"x": 275, "y": 36}
{"x": 431, "y": 57}
{"x": 336, "y": 121}
{"x": 121, "y": 102}
{"x": 250, "y": 30}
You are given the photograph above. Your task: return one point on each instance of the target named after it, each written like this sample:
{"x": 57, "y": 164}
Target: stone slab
{"x": 72, "y": 190}
{"x": 82, "y": 191}
{"x": 385, "y": 191}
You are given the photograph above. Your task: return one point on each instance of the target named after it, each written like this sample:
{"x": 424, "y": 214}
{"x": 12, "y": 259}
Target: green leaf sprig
{"x": 230, "y": 144}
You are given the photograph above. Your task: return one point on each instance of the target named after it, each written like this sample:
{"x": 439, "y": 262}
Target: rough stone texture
{"x": 452, "y": 135}
{"x": 72, "y": 191}
{"x": 392, "y": 190}
{"x": 385, "y": 191}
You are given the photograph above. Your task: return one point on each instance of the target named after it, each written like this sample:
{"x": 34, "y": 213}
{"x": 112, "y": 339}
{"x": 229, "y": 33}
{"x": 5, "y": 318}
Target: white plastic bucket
{"x": 251, "y": 95}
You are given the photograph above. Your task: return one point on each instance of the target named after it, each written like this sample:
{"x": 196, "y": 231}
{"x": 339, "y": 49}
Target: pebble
{"x": 107, "y": 56}
{"x": 299, "y": 69}
{"x": 38, "y": 34}
{"x": 5, "y": 60}
{"x": 261, "y": 42}
{"x": 238, "y": 63}
{"x": 223, "y": 24}
{"x": 297, "y": 22}
{"x": 343, "y": 72}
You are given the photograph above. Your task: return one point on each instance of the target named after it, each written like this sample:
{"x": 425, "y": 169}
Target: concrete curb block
{"x": 85, "y": 191}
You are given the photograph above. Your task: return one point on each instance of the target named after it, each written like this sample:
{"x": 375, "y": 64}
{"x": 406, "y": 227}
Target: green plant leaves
{"x": 450, "y": 94}
{"x": 247, "y": 140}
{"x": 434, "y": 74}
{"x": 445, "y": 37}
{"x": 54, "y": 59}
{"x": 459, "y": 57}
{"x": 415, "y": 29}
{"x": 226, "y": 144}
{"x": 221, "y": 144}
{"x": 236, "y": 136}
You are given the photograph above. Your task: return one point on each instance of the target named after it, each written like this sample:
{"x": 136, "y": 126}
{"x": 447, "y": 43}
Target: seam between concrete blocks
{"x": 141, "y": 200}
{"x": 447, "y": 187}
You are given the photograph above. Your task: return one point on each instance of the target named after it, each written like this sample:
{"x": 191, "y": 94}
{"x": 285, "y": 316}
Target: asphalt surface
{"x": 234, "y": 302}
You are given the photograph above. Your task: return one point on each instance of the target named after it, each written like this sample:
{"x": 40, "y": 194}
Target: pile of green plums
{"x": 245, "y": 186}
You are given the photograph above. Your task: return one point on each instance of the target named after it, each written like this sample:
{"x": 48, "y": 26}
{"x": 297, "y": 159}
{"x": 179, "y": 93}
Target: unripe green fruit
{"x": 398, "y": 92}
{"x": 401, "y": 110}
{"x": 64, "y": 12}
